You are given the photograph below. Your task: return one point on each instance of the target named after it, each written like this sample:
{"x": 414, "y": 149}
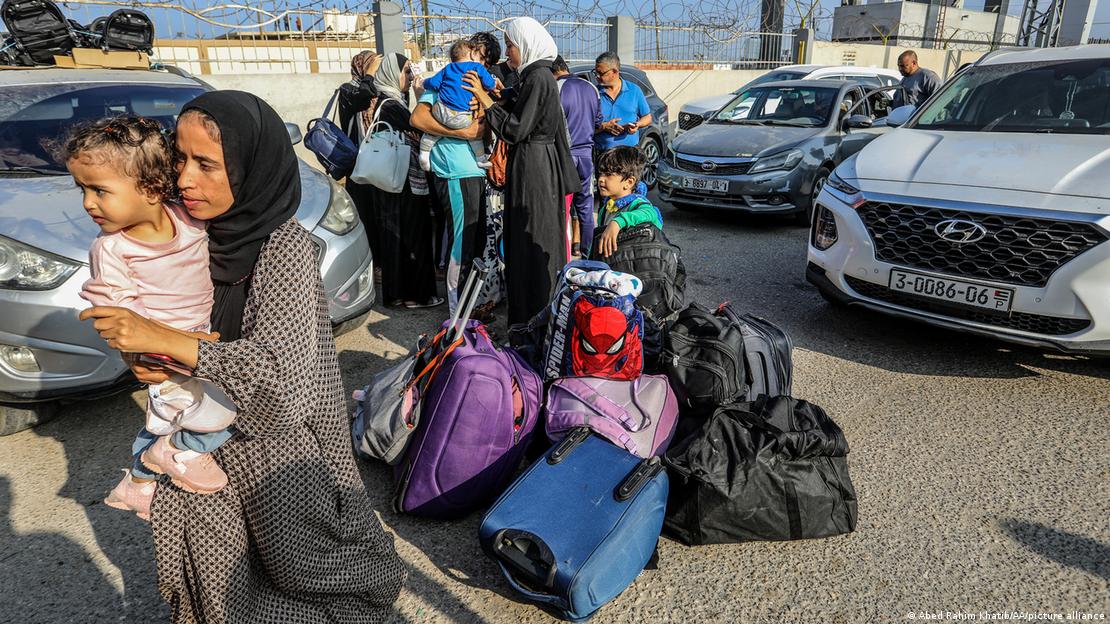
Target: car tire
{"x": 653, "y": 151}
{"x": 805, "y": 217}
{"x": 14, "y": 419}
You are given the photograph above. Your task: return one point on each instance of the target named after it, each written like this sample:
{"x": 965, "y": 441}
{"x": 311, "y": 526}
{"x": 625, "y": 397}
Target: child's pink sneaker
{"x": 191, "y": 471}
{"x": 130, "y": 495}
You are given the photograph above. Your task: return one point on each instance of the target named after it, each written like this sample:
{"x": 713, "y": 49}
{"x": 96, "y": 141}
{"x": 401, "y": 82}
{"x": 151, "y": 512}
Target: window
{"x": 643, "y": 85}
{"x": 35, "y": 118}
{"x": 782, "y": 106}
{"x": 772, "y": 76}
{"x": 1071, "y": 97}
{"x": 870, "y": 81}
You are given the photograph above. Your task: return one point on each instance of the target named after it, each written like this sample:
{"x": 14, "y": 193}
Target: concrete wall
{"x": 298, "y": 98}
{"x": 677, "y": 87}
{"x": 943, "y": 62}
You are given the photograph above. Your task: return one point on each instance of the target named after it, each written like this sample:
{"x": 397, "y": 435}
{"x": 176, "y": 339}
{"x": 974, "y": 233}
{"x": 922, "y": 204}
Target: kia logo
{"x": 708, "y": 166}
{"x": 960, "y": 231}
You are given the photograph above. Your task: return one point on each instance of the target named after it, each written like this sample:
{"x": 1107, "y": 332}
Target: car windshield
{"x": 772, "y": 76}
{"x": 35, "y": 118}
{"x": 780, "y": 106}
{"x": 1068, "y": 97}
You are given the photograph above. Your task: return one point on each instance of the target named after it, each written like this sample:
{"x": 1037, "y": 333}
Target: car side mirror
{"x": 294, "y": 132}
{"x": 900, "y": 115}
{"x": 859, "y": 122}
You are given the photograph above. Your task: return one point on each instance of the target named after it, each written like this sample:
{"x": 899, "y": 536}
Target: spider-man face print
{"x": 604, "y": 343}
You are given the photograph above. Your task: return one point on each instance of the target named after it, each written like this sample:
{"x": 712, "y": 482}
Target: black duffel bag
{"x": 772, "y": 469}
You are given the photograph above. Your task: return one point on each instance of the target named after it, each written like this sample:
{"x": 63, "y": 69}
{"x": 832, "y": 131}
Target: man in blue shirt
{"x": 581, "y": 106}
{"x": 624, "y": 109}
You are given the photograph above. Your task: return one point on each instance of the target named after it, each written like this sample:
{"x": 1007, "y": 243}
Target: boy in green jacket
{"x": 626, "y": 205}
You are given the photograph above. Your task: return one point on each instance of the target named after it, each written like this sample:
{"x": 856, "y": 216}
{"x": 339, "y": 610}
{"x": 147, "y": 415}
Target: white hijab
{"x": 533, "y": 40}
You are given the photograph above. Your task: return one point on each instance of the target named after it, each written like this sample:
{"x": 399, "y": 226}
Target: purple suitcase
{"x": 638, "y": 415}
{"x": 477, "y": 419}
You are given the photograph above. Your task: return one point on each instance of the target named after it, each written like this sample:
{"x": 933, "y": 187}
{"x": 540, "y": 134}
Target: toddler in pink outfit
{"x": 152, "y": 258}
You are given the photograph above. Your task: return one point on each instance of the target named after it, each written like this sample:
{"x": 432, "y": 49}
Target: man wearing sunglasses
{"x": 624, "y": 109}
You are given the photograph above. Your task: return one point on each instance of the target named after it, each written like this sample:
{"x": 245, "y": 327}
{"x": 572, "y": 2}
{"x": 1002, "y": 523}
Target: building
{"x": 922, "y": 25}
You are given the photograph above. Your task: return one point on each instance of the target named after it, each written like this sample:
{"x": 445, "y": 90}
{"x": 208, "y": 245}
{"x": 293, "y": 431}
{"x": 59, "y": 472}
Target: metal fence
{"x": 434, "y": 34}
{"x": 311, "y": 36}
{"x": 711, "y": 45}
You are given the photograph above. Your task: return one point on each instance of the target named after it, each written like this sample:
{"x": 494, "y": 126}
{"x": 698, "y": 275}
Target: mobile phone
{"x": 166, "y": 362}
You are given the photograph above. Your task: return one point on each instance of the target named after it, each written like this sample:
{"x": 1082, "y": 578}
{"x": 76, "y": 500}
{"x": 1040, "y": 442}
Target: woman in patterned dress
{"x": 292, "y": 538}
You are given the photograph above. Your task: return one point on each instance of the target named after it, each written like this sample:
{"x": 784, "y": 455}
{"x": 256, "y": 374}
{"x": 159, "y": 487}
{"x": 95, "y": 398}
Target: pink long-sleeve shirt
{"x": 168, "y": 282}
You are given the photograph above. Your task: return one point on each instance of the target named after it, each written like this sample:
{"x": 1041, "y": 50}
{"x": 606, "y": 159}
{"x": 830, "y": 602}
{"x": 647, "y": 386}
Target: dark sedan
{"x": 653, "y": 139}
{"x": 772, "y": 147}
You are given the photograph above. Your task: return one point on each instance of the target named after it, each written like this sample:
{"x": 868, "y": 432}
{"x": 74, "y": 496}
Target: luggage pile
{"x": 704, "y": 444}
{"x": 38, "y": 31}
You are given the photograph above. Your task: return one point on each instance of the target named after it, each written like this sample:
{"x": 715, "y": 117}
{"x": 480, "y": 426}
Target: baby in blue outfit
{"x": 452, "y": 107}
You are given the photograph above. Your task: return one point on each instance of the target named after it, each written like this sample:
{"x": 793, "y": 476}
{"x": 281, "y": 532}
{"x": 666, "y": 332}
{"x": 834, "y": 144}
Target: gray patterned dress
{"x": 292, "y": 538}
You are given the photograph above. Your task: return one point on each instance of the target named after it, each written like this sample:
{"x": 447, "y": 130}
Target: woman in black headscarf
{"x": 292, "y": 538}
{"x": 403, "y": 221}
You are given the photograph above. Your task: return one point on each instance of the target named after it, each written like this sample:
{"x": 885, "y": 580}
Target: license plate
{"x": 952, "y": 291}
{"x": 705, "y": 184}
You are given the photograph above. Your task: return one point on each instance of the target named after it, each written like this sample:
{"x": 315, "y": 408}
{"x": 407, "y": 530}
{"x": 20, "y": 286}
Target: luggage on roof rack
{"x": 38, "y": 32}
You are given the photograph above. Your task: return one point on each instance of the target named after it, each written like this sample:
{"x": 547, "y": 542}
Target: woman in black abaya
{"x": 540, "y": 170}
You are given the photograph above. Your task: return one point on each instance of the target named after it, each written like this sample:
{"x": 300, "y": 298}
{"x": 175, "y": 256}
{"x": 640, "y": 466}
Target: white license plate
{"x": 953, "y": 291}
{"x": 705, "y": 184}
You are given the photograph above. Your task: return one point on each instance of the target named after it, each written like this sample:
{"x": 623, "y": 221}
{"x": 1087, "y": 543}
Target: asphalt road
{"x": 983, "y": 474}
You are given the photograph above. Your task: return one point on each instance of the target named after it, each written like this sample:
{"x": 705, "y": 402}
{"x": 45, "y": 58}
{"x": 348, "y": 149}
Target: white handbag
{"x": 383, "y": 157}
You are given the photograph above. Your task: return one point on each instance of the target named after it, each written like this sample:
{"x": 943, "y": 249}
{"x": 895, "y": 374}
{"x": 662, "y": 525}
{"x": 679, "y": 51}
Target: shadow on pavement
{"x": 36, "y": 568}
{"x": 1069, "y": 549}
{"x": 97, "y": 448}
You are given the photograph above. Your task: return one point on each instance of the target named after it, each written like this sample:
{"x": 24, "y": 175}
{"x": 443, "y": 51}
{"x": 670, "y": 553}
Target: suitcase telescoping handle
{"x": 576, "y": 436}
{"x": 645, "y": 471}
{"x": 527, "y": 556}
{"x": 468, "y": 299}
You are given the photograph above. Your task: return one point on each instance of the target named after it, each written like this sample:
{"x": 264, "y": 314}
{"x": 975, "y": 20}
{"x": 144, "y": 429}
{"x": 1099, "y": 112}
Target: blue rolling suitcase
{"x": 579, "y": 525}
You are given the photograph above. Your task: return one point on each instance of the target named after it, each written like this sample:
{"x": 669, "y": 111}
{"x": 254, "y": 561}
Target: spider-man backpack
{"x": 594, "y": 331}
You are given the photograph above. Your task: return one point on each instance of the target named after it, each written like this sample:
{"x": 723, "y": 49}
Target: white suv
{"x": 988, "y": 211}
{"x": 694, "y": 112}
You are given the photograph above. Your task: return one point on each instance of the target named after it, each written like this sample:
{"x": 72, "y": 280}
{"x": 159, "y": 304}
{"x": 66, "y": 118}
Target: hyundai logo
{"x": 708, "y": 165}
{"x": 960, "y": 231}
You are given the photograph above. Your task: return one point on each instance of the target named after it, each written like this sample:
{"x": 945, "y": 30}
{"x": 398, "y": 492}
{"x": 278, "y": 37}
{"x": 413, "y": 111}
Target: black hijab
{"x": 266, "y": 184}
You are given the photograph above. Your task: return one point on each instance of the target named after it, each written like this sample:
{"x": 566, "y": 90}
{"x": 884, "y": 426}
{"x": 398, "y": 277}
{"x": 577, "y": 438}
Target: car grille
{"x": 707, "y": 198}
{"x": 721, "y": 168}
{"x": 1033, "y": 323}
{"x": 689, "y": 120}
{"x": 1016, "y": 250}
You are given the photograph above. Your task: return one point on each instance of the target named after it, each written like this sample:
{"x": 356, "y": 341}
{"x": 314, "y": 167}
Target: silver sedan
{"x": 46, "y": 354}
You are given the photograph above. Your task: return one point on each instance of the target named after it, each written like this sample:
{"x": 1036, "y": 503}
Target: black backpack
{"x": 38, "y": 30}
{"x": 644, "y": 251}
{"x": 127, "y": 29}
{"x": 774, "y": 469}
{"x": 716, "y": 358}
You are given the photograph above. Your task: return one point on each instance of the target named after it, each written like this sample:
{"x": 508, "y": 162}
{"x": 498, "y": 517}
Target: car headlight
{"x": 784, "y": 161}
{"x": 844, "y": 191}
{"x": 341, "y": 216}
{"x": 23, "y": 267}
